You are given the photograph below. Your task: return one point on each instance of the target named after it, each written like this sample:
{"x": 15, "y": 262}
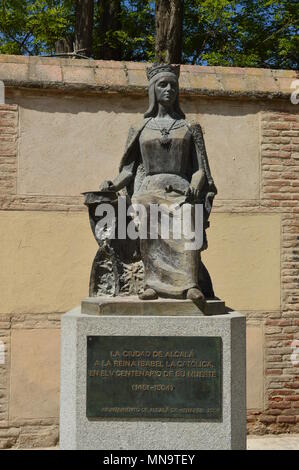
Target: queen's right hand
{"x": 107, "y": 186}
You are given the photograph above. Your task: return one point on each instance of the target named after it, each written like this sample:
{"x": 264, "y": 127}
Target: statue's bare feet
{"x": 195, "y": 294}
{"x": 148, "y": 294}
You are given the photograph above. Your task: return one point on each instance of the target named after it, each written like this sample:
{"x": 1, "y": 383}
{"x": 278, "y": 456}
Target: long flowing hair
{"x": 153, "y": 104}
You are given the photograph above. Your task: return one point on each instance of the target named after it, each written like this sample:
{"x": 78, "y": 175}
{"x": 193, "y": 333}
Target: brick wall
{"x": 280, "y": 193}
{"x": 14, "y": 431}
{"x": 8, "y": 148}
{"x": 8, "y": 154}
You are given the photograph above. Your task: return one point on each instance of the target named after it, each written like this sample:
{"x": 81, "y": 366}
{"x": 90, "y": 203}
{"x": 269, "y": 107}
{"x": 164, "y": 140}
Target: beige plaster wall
{"x": 255, "y": 365}
{"x": 68, "y": 144}
{"x": 35, "y": 371}
{"x": 47, "y": 259}
{"x": 243, "y": 259}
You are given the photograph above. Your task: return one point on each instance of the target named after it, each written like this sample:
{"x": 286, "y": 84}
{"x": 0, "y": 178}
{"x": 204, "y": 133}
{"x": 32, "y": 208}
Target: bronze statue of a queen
{"x": 165, "y": 164}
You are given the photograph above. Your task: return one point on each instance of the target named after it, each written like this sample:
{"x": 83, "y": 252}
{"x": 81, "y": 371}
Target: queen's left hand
{"x": 193, "y": 194}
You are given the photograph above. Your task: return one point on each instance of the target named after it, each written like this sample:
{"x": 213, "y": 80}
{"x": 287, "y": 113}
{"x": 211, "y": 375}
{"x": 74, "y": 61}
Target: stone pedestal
{"x": 182, "y": 425}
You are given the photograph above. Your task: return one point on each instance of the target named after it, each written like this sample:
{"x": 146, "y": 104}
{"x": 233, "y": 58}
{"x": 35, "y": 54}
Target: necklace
{"x": 165, "y": 140}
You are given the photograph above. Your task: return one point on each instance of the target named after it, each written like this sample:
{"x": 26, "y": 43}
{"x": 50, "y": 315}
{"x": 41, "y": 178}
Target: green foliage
{"x": 245, "y": 33}
{"x": 138, "y": 28}
{"x": 134, "y": 38}
{"x": 32, "y": 27}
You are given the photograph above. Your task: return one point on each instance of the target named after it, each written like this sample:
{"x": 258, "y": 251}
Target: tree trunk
{"x": 169, "y": 31}
{"x": 109, "y": 21}
{"x": 64, "y": 45}
{"x": 84, "y": 26}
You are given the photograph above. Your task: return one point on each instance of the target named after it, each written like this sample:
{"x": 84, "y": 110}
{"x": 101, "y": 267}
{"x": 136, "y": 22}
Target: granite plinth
{"x": 134, "y": 306}
{"x": 79, "y": 432}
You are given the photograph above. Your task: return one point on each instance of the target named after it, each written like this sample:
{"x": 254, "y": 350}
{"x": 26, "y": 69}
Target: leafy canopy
{"x": 251, "y": 33}
{"x": 248, "y": 33}
{"x": 32, "y": 27}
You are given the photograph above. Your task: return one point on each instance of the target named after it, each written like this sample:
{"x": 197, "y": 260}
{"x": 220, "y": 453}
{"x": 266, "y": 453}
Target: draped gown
{"x": 170, "y": 268}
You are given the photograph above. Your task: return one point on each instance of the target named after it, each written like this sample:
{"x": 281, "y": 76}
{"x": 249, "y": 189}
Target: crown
{"x": 159, "y": 68}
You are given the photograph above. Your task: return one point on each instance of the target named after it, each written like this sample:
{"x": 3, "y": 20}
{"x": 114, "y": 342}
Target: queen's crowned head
{"x": 154, "y": 74}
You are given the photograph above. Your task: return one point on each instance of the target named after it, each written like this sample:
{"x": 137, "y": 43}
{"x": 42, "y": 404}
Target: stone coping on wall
{"x": 98, "y": 76}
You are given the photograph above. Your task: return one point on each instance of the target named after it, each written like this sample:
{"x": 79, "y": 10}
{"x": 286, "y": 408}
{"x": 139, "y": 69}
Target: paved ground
{"x": 273, "y": 442}
{"x": 268, "y": 442}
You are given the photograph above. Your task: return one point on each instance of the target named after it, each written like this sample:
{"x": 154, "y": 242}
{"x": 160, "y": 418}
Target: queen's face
{"x": 166, "y": 89}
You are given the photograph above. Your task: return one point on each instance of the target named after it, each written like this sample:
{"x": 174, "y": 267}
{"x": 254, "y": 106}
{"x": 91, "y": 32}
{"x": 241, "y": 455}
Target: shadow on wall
{"x": 57, "y": 102}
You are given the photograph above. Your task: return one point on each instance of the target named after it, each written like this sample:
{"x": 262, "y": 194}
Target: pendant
{"x": 165, "y": 141}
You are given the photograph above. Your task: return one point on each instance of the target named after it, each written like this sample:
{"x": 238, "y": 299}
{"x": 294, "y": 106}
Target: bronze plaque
{"x": 154, "y": 377}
